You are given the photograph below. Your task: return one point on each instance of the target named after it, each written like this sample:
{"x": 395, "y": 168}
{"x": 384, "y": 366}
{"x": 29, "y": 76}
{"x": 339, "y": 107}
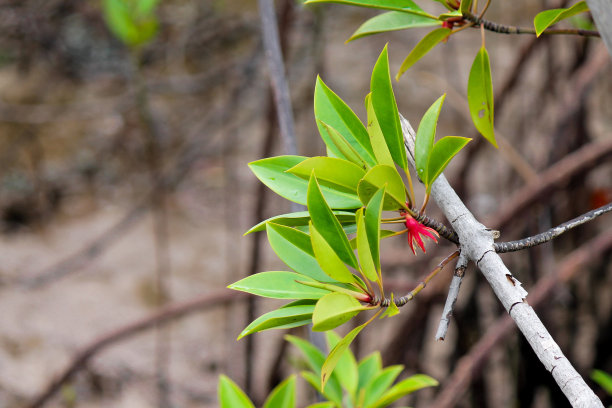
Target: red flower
{"x": 415, "y": 230}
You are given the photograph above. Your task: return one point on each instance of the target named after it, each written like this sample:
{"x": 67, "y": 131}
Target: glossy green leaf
{"x": 465, "y": 6}
{"x": 377, "y": 178}
{"x": 336, "y": 353}
{"x": 373, "y": 216}
{"x": 368, "y": 368}
{"x": 451, "y": 14}
{"x": 480, "y": 96}
{"x": 393, "y": 21}
{"x": 315, "y": 359}
{"x": 603, "y": 379}
{"x": 379, "y": 145}
{"x": 339, "y": 174}
{"x": 273, "y": 173}
{"x": 294, "y": 314}
{"x": 343, "y": 149}
{"x": 425, "y": 136}
{"x": 346, "y": 369}
{"x": 324, "y": 404}
{"x": 283, "y": 395}
{"x": 327, "y": 224}
{"x": 385, "y": 108}
{"x": 443, "y": 151}
{"x": 423, "y": 47}
{"x": 294, "y": 248}
{"x": 383, "y": 234}
{"x": 328, "y": 259}
{"x": 380, "y": 383}
{"x": 331, "y": 111}
{"x": 335, "y": 309}
{"x": 363, "y": 249}
{"x": 547, "y": 18}
{"x": 278, "y": 285}
{"x": 301, "y": 219}
{"x": 406, "y": 6}
{"x": 134, "y": 23}
{"x": 405, "y": 387}
{"x": 231, "y": 396}
{"x": 329, "y": 393}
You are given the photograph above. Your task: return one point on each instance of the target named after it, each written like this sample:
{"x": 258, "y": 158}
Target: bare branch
{"x": 453, "y": 293}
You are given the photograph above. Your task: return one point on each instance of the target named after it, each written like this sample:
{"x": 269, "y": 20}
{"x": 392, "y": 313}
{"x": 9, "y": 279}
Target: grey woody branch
{"x": 451, "y": 299}
{"x": 511, "y": 246}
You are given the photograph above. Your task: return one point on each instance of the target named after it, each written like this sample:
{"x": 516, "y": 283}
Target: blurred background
{"x": 124, "y": 190}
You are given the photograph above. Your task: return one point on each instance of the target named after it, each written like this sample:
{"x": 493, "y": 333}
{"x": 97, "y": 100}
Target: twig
{"x": 477, "y": 244}
{"x": 162, "y": 316}
{"x": 440, "y": 228}
{"x": 467, "y": 367}
{"x": 507, "y": 29}
{"x": 451, "y": 299}
{"x": 511, "y": 246}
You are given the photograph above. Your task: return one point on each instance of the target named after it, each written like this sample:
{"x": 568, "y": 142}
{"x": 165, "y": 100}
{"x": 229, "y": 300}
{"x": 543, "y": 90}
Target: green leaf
{"x": 278, "y": 285}
{"x": 146, "y": 6}
{"x": 405, "y": 387}
{"x": 422, "y": 48}
{"x": 368, "y": 266}
{"x": 343, "y": 148}
{"x": 294, "y": 248}
{"x": 340, "y": 174}
{"x": 547, "y": 18}
{"x": 372, "y": 225}
{"x": 379, "y": 145}
{"x": 335, "y": 309}
{"x": 328, "y": 259}
{"x": 392, "y": 21}
{"x": 603, "y": 379}
{"x": 293, "y": 314}
{"x": 327, "y": 224}
{"x": 335, "y": 354}
{"x": 283, "y": 395}
{"x": 381, "y": 383}
{"x": 301, "y": 219}
{"x": 378, "y": 177}
{"x": 272, "y": 172}
{"x": 315, "y": 359}
{"x": 425, "y": 136}
{"x": 392, "y": 309}
{"x": 231, "y": 396}
{"x": 406, "y": 6}
{"x": 346, "y": 369}
{"x": 383, "y": 234}
{"x": 333, "y": 112}
{"x": 465, "y": 6}
{"x": 130, "y": 22}
{"x": 368, "y": 368}
{"x": 325, "y": 404}
{"x": 480, "y": 96}
{"x": 443, "y": 151}
{"x": 385, "y": 108}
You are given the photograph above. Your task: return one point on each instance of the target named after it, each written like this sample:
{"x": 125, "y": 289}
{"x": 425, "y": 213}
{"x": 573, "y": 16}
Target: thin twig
{"x": 451, "y": 299}
{"x": 507, "y": 29}
{"x": 511, "y": 246}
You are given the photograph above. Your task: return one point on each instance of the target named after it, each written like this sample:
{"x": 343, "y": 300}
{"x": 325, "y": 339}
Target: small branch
{"x": 444, "y": 231}
{"x": 451, "y": 299}
{"x": 511, "y": 246}
{"x": 506, "y": 29}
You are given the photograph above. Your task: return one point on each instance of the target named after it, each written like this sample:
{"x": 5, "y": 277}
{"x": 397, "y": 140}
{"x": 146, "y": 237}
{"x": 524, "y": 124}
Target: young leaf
{"x": 385, "y": 108}
{"x": 369, "y": 367}
{"x": 603, "y": 379}
{"x": 406, "y": 6}
{"x": 325, "y": 404}
{"x": 300, "y": 219}
{"x": 327, "y": 224}
{"x": 378, "y": 177}
{"x": 293, "y": 314}
{"x": 480, "y": 96}
{"x": 294, "y": 248}
{"x": 368, "y": 266}
{"x": 381, "y": 383}
{"x": 339, "y": 174}
{"x": 328, "y": 259}
{"x": 132, "y": 25}
{"x": 547, "y": 18}
{"x": 346, "y": 369}
{"x": 372, "y": 225}
{"x": 392, "y": 309}
{"x": 392, "y": 21}
{"x": 442, "y": 153}
{"x": 465, "y": 6}
{"x": 423, "y": 47}
{"x": 335, "y": 309}
{"x": 283, "y": 395}
{"x": 272, "y": 172}
{"x": 231, "y": 396}
{"x": 342, "y": 147}
{"x": 425, "y": 136}
{"x": 331, "y": 110}
{"x": 381, "y": 152}
{"x": 336, "y": 353}
{"x": 405, "y": 387}
{"x": 279, "y": 285}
